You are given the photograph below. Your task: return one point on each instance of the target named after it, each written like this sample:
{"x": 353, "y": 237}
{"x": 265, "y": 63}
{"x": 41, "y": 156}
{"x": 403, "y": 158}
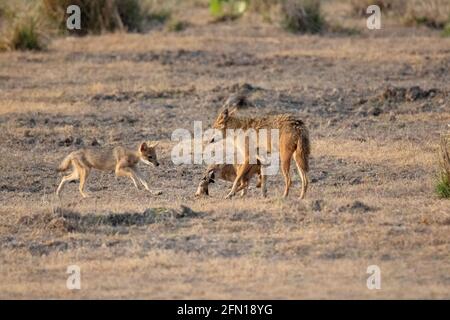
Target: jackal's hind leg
{"x": 285, "y": 167}
{"x": 84, "y": 173}
{"x": 302, "y": 173}
{"x": 71, "y": 177}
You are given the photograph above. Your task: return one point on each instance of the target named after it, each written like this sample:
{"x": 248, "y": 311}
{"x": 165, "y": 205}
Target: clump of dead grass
{"x": 97, "y": 16}
{"x": 21, "y": 28}
{"x": 443, "y": 182}
{"x": 359, "y": 7}
{"x": 302, "y": 16}
{"x": 431, "y": 13}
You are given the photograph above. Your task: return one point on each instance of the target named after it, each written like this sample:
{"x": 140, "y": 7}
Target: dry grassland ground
{"x": 373, "y": 165}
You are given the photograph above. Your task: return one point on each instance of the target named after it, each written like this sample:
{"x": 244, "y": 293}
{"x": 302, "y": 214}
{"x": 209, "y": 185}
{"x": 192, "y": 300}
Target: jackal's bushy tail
{"x": 65, "y": 164}
{"x": 304, "y": 147}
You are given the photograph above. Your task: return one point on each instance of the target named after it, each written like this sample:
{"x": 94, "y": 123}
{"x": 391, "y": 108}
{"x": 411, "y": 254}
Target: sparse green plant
{"x": 446, "y": 31}
{"x": 302, "y": 16}
{"x": 443, "y": 181}
{"x": 227, "y": 9}
{"x": 22, "y": 29}
{"x": 26, "y": 36}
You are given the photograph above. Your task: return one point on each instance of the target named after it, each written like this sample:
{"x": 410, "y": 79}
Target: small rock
{"x": 414, "y": 93}
{"x": 95, "y": 142}
{"x": 66, "y": 142}
{"x": 376, "y": 111}
{"x": 317, "y": 205}
{"x": 426, "y": 107}
{"x": 78, "y": 141}
{"x": 356, "y": 207}
{"x": 356, "y": 180}
{"x": 392, "y": 116}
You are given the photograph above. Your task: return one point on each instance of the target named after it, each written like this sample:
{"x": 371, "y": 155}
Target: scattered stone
{"x": 356, "y": 180}
{"x": 376, "y": 111}
{"x": 78, "y": 141}
{"x": 7, "y": 188}
{"x": 317, "y": 205}
{"x": 362, "y": 101}
{"x": 66, "y": 141}
{"x": 356, "y": 207}
{"x": 95, "y": 142}
{"x": 398, "y": 94}
{"x": 392, "y": 116}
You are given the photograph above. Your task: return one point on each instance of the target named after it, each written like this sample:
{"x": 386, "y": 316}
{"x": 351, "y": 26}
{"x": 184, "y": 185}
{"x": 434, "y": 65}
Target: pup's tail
{"x": 65, "y": 164}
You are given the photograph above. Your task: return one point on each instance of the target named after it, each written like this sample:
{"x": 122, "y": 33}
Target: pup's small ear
{"x": 233, "y": 111}
{"x": 225, "y": 113}
{"x": 143, "y": 147}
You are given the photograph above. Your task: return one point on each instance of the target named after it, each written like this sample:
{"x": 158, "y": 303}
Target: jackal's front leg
{"x": 123, "y": 171}
{"x": 240, "y": 173}
{"x": 141, "y": 179}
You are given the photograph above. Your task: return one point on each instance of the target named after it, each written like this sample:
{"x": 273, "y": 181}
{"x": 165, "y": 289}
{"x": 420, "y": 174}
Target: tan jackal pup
{"x": 227, "y": 172}
{"x": 119, "y": 159}
{"x": 294, "y": 142}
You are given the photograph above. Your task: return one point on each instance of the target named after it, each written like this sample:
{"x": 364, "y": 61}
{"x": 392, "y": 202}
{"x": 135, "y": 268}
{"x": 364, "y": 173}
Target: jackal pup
{"x": 293, "y": 142}
{"x": 119, "y": 159}
{"x": 227, "y": 172}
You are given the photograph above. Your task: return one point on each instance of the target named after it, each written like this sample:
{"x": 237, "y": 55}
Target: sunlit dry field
{"x": 373, "y": 166}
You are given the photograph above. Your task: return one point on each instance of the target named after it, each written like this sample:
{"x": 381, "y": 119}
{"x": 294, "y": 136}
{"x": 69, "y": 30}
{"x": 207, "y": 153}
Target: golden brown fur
{"x": 294, "y": 142}
{"x": 119, "y": 159}
{"x": 228, "y": 172}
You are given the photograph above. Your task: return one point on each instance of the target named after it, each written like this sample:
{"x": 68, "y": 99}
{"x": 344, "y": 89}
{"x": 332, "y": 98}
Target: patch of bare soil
{"x": 374, "y": 105}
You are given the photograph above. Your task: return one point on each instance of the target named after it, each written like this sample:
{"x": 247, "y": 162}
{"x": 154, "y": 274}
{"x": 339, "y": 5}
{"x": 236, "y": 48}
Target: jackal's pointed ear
{"x": 225, "y": 113}
{"x": 143, "y": 147}
{"x": 211, "y": 176}
{"x": 153, "y": 144}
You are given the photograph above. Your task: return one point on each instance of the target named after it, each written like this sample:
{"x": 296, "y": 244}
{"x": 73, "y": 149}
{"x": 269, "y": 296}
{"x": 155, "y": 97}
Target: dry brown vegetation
{"x": 375, "y": 104}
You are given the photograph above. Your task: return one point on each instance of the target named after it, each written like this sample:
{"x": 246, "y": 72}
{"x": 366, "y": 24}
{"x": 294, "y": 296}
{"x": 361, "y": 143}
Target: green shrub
{"x": 20, "y": 27}
{"x": 302, "y": 16}
{"x": 26, "y": 36}
{"x": 443, "y": 187}
{"x": 443, "y": 181}
{"x": 446, "y": 31}
{"x": 227, "y": 9}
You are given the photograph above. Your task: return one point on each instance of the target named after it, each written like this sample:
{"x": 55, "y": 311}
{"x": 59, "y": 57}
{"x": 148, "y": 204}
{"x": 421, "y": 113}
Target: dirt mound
{"x": 400, "y": 94}
{"x": 133, "y": 96}
{"x": 356, "y": 207}
{"x": 70, "y": 221}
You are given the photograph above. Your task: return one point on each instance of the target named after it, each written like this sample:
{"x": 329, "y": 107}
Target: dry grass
{"x": 371, "y": 200}
{"x": 431, "y": 13}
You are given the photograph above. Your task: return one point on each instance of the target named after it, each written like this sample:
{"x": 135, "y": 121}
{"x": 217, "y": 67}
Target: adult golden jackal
{"x": 293, "y": 141}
